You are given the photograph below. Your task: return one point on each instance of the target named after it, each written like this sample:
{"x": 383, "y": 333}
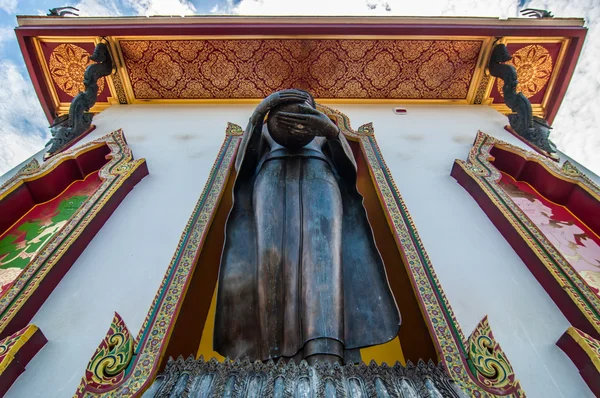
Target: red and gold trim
{"x": 16, "y": 351}
{"x": 584, "y": 351}
{"x": 386, "y": 60}
{"x": 118, "y": 171}
{"x": 567, "y": 187}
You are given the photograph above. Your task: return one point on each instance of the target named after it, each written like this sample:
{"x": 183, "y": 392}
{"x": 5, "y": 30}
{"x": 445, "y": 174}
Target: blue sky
{"x": 24, "y": 129}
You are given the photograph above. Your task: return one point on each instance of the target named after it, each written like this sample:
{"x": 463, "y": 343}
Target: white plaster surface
{"x": 121, "y": 269}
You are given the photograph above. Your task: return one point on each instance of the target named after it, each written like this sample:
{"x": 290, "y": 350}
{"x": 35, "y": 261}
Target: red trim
{"x": 35, "y": 73}
{"x": 527, "y": 254}
{"x": 582, "y": 361}
{"x": 562, "y": 192}
{"x": 21, "y": 359}
{"x": 565, "y": 75}
{"x": 43, "y": 189}
{"x": 300, "y": 29}
{"x": 47, "y": 285}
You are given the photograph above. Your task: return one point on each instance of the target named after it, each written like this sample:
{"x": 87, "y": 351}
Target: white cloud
{"x": 10, "y": 6}
{"x": 367, "y": 7}
{"x": 161, "y": 7}
{"x": 98, "y": 8}
{"x": 21, "y": 119}
{"x": 6, "y": 34}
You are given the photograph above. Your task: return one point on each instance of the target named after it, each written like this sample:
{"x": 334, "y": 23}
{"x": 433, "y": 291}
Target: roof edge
{"x": 36, "y": 20}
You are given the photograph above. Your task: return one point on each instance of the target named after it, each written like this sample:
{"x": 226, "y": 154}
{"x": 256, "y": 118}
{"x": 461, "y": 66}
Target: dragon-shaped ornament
{"x": 532, "y": 128}
{"x": 68, "y": 127}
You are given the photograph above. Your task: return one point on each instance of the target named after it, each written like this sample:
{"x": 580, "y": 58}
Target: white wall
{"x": 123, "y": 266}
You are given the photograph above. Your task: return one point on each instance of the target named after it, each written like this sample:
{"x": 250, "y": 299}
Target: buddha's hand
{"x": 290, "y": 96}
{"x": 308, "y": 122}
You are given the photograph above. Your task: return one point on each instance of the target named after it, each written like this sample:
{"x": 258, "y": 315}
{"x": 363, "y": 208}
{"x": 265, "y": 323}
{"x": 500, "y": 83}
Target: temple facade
{"x": 128, "y": 266}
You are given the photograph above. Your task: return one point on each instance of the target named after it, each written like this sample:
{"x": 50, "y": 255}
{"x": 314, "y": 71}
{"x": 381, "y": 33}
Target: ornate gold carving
{"x": 329, "y": 68}
{"x": 493, "y": 369}
{"x": 107, "y": 366}
{"x": 234, "y": 129}
{"x": 534, "y": 67}
{"x": 120, "y": 91}
{"x": 67, "y": 65}
{"x": 480, "y": 94}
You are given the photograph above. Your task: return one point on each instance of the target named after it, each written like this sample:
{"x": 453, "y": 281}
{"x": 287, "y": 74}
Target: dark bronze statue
{"x": 65, "y": 129}
{"x": 534, "y": 129}
{"x": 300, "y": 274}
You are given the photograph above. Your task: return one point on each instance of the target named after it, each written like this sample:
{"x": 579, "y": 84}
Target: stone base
{"x": 197, "y": 378}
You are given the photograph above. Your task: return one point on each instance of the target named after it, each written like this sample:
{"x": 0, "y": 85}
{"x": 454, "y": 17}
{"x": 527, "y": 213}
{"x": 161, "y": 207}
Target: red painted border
{"x": 520, "y": 246}
{"x": 577, "y": 35}
{"x": 582, "y": 361}
{"x": 22, "y": 358}
{"x": 54, "y": 276}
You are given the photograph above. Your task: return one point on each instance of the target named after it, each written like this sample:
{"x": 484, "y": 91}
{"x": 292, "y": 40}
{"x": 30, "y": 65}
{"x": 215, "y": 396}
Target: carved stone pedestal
{"x": 197, "y": 378}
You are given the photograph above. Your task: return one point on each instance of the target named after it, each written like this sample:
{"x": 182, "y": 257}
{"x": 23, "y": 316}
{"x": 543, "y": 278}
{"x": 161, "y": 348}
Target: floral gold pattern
{"x": 493, "y": 369}
{"x": 534, "y": 67}
{"x": 67, "y": 64}
{"x": 445, "y": 330}
{"x": 253, "y": 68}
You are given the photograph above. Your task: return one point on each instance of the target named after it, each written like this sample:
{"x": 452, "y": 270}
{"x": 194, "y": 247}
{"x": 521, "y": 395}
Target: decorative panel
{"x": 48, "y": 215}
{"x": 63, "y": 63}
{"x": 237, "y": 69}
{"x": 549, "y": 214}
{"x": 538, "y": 63}
{"x": 343, "y": 59}
{"x": 66, "y": 63}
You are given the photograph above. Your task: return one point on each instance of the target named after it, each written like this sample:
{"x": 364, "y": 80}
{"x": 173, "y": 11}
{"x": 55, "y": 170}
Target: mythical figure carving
{"x": 62, "y": 11}
{"x": 532, "y": 128}
{"x": 66, "y": 128}
{"x": 300, "y": 274}
{"x": 536, "y": 13}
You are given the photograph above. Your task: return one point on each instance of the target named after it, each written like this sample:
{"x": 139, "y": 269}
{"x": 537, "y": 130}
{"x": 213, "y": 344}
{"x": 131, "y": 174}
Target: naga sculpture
{"x": 300, "y": 276}
{"x": 66, "y": 128}
{"x": 62, "y": 11}
{"x": 532, "y": 128}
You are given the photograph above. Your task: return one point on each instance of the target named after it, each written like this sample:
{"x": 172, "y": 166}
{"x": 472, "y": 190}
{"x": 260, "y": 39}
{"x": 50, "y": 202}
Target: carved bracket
{"x": 492, "y": 367}
{"x": 108, "y": 364}
{"x": 79, "y": 121}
